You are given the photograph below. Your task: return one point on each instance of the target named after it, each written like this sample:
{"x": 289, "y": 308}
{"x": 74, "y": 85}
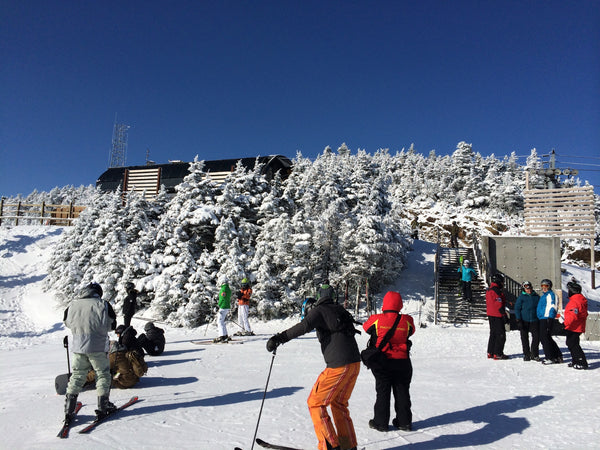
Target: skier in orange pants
{"x": 333, "y": 388}
{"x": 335, "y": 331}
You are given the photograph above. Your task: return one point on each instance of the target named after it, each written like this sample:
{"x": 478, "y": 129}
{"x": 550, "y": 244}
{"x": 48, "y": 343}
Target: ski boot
{"x": 70, "y": 404}
{"x": 105, "y": 407}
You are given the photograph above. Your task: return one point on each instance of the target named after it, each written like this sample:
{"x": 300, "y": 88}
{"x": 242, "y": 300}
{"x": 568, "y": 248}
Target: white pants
{"x": 221, "y": 316}
{"x": 243, "y": 317}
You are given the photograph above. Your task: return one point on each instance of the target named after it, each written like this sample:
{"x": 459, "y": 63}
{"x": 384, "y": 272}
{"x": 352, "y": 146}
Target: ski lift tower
{"x": 118, "y": 151}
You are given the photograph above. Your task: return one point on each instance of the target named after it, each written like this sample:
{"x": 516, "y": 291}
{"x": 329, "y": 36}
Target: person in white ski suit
{"x": 90, "y": 319}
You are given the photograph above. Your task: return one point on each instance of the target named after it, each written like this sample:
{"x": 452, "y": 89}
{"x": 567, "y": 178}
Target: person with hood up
{"x": 395, "y": 374}
{"x": 495, "y": 302}
{"x": 90, "y": 319}
{"x": 546, "y": 313}
{"x": 527, "y": 322}
{"x": 224, "y": 305}
{"x": 576, "y": 313}
{"x": 334, "y": 386}
{"x": 153, "y": 340}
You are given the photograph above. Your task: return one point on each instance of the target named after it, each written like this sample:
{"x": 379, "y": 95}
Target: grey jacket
{"x": 90, "y": 319}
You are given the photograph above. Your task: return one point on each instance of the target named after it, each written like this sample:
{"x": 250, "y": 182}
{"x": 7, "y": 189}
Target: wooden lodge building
{"x": 149, "y": 178}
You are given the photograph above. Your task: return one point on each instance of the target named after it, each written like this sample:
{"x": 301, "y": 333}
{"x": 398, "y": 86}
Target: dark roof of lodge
{"x": 171, "y": 174}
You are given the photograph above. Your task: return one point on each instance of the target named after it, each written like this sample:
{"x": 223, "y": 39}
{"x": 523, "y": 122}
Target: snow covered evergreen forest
{"x": 342, "y": 215}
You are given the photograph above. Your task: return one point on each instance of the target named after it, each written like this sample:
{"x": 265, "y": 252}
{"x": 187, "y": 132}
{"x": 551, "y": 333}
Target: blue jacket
{"x": 526, "y": 307}
{"x": 546, "y": 308}
{"x": 467, "y": 273}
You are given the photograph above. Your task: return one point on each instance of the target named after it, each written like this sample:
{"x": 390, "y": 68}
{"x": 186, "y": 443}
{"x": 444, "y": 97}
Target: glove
{"x": 275, "y": 341}
{"x": 216, "y": 309}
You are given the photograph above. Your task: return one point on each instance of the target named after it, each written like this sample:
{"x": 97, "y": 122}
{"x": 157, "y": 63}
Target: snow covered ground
{"x": 209, "y": 396}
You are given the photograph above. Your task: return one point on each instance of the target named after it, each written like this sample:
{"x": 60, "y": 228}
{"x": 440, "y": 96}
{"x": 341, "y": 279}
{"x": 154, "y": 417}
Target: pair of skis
{"x": 64, "y": 431}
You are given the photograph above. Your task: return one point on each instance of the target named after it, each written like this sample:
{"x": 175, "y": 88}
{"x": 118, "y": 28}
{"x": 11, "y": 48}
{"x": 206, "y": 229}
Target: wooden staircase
{"x": 451, "y": 308}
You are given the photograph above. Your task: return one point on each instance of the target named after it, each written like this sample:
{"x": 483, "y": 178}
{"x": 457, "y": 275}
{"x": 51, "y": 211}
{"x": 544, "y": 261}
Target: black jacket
{"x": 129, "y": 304}
{"x": 153, "y": 341}
{"x": 335, "y": 331}
{"x": 129, "y": 341}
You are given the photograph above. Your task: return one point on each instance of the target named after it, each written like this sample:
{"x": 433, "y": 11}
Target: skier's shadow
{"x": 220, "y": 400}
{"x": 497, "y": 426}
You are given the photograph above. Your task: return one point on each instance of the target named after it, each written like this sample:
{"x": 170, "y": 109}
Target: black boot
{"x": 70, "y": 404}
{"x": 105, "y": 407}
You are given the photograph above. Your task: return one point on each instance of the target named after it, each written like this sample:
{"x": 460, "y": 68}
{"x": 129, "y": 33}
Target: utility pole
{"x": 551, "y": 172}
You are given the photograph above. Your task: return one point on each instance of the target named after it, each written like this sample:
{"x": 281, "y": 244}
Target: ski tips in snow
{"x": 274, "y": 446}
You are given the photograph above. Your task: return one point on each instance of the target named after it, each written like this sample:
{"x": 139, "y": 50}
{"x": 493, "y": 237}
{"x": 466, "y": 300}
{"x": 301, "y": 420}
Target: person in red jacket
{"x": 396, "y": 373}
{"x": 495, "y": 301}
{"x": 575, "y": 316}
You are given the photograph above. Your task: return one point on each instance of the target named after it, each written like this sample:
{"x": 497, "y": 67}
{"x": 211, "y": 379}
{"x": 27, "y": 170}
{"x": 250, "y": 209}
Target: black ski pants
{"x": 395, "y": 376}
{"x": 551, "y": 350}
{"x": 497, "y": 336}
{"x": 467, "y": 291}
{"x": 526, "y": 329}
{"x": 577, "y": 354}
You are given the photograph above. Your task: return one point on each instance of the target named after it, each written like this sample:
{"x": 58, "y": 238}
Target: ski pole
{"x": 263, "y": 400}
{"x": 66, "y": 345}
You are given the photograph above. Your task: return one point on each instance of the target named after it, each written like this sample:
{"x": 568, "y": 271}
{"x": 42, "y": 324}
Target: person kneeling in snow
{"x": 126, "y": 366}
{"x": 153, "y": 341}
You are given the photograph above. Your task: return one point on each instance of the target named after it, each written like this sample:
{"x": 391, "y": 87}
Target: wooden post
{"x": 368, "y": 299}
{"x": 42, "y": 213}
{"x": 345, "y": 295}
{"x": 356, "y": 310}
{"x": 593, "y": 262}
{"x": 18, "y": 212}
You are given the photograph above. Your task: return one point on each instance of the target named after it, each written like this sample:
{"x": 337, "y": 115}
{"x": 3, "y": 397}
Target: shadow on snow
{"x": 494, "y": 416}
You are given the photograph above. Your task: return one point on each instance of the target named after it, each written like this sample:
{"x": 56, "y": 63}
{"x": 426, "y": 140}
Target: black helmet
{"x": 527, "y": 284}
{"x": 574, "y": 288}
{"x": 129, "y": 286}
{"x": 498, "y": 278}
{"x": 546, "y": 282}
{"x": 95, "y": 287}
{"x": 148, "y": 326}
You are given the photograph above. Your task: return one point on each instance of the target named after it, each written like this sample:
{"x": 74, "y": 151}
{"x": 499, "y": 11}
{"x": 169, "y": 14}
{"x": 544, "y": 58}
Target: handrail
{"x": 436, "y": 279}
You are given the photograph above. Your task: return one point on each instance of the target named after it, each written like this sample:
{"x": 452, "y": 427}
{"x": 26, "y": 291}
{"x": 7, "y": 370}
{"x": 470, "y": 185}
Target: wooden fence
{"x": 33, "y": 214}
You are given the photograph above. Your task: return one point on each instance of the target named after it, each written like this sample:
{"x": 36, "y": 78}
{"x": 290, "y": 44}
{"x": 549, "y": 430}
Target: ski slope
{"x": 209, "y": 396}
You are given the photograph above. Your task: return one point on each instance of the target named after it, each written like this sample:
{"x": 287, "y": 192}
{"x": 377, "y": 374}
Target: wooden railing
{"x": 43, "y": 214}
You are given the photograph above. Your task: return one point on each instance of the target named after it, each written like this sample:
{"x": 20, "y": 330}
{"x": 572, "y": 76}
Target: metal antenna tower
{"x": 118, "y": 151}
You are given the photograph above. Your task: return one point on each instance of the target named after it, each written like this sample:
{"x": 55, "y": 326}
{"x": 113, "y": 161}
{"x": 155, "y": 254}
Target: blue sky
{"x": 227, "y": 79}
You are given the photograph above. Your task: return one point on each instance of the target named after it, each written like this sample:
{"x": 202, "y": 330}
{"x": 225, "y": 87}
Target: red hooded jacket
{"x": 576, "y": 313}
{"x": 495, "y": 301}
{"x": 397, "y": 347}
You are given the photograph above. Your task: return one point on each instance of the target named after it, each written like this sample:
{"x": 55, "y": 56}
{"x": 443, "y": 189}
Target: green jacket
{"x": 224, "y": 301}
